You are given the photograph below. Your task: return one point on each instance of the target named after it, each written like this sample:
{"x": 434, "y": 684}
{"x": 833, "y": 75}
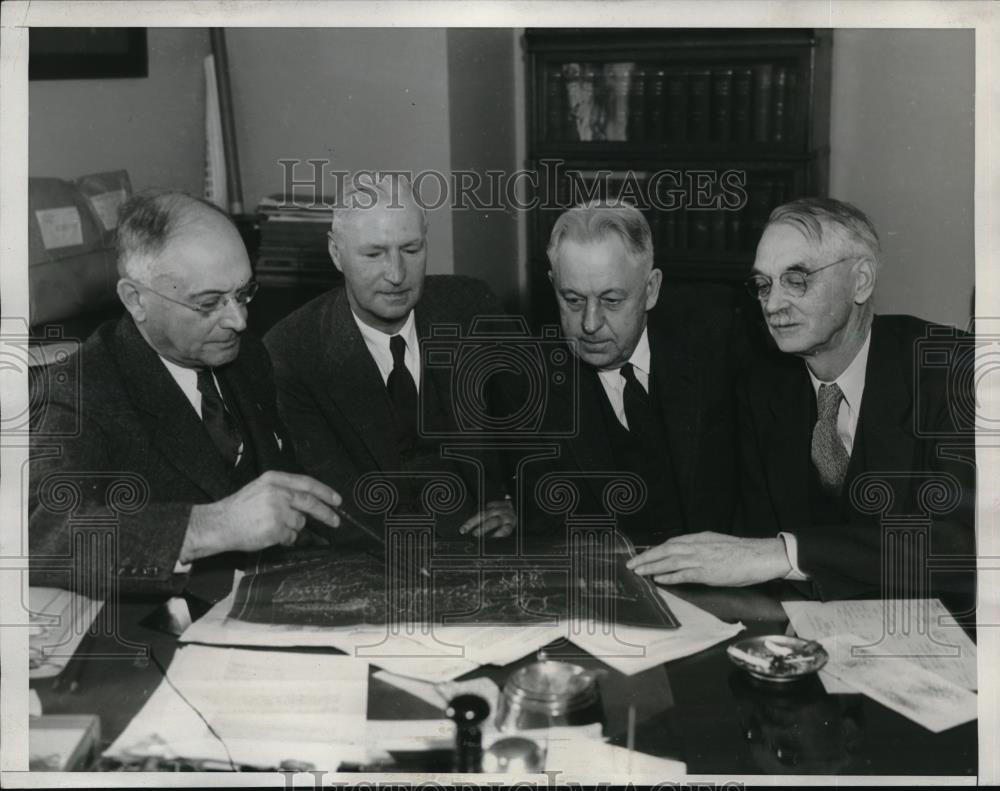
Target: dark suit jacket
{"x": 695, "y": 351}
{"x": 907, "y": 435}
{"x": 119, "y": 415}
{"x": 332, "y": 397}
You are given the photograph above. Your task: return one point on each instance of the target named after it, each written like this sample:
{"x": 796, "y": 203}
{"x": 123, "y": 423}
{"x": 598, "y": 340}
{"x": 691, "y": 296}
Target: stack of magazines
{"x": 293, "y": 240}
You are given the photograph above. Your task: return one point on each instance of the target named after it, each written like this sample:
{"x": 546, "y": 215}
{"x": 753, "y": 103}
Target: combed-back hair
{"x": 812, "y": 215}
{"x": 594, "y": 221}
{"x": 365, "y": 189}
{"x": 146, "y": 221}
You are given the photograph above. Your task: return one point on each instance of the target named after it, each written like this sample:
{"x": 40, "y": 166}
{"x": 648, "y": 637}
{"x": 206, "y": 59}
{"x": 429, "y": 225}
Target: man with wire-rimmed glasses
{"x": 177, "y": 401}
{"x": 808, "y": 432}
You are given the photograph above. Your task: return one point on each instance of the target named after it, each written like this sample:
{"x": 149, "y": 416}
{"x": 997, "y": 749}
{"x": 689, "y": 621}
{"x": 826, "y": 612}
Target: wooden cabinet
{"x": 705, "y": 131}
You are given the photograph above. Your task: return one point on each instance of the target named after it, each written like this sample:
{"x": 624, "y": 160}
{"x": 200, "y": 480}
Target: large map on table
{"x": 331, "y": 587}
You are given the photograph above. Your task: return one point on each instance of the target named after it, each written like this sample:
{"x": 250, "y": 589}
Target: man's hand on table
{"x": 269, "y": 510}
{"x": 713, "y": 559}
{"x": 498, "y": 519}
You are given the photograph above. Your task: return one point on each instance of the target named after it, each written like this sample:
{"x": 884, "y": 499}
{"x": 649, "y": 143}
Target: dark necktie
{"x": 827, "y": 451}
{"x": 402, "y": 389}
{"x": 636, "y": 401}
{"x": 219, "y": 423}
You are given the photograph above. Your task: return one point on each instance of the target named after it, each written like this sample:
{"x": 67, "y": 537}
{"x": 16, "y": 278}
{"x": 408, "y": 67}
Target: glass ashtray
{"x": 777, "y": 657}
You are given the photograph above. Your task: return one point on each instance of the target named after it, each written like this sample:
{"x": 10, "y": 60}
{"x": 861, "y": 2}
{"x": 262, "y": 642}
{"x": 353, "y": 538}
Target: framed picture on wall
{"x": 72, "y": 53}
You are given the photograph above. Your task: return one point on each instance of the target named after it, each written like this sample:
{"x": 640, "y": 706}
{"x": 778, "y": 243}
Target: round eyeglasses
{"x": 209, "y": 306}
{"x": 795, "y": 282}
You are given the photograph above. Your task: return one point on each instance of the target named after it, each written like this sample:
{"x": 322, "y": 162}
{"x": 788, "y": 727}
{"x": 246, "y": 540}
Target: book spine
{"x": 555, "y": 104}
{"x": 792, "y": 105}
{"x": 763, "y": 76}
{"x": 722, "y": 105}
{"x": 655, "y": 103}
{"x": 734, "y": 231}
{"x": 698, "y": 106}
{"x": 778, "y": 90}
{"x": 677, "y": 108}
{"x": 637, "y": 107}
{"x": 718, "y": 235}
{"x": 742, "y": 103}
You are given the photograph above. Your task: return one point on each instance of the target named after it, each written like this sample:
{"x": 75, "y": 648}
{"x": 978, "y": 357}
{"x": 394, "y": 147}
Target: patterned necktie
{"x": 828, "y": 452}
{"x": 219, "y": 423}
{"x": 636, "y": 401}
{"x": 402, "y": 389}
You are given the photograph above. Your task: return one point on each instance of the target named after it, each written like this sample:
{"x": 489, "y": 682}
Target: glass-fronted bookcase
{"x": 705, "y": 130}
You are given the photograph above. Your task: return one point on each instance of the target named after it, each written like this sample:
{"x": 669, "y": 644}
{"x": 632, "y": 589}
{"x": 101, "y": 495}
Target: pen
{"x": 351, "y": 520}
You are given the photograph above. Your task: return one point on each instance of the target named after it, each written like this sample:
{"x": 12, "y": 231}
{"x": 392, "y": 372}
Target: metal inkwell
{"x": 777, "y": 657}
{"x": 549, "y": 693}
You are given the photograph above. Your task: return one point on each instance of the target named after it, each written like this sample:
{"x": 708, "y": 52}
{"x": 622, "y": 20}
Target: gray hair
{"x": 593, "y": 222}
{"x": 365, "y": 189}
{"x": 147, "y": 221}
{"x": 812, "y": 215}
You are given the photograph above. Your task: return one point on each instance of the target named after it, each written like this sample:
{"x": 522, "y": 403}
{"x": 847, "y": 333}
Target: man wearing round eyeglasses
{"x": 831, "y": 447}
{"x": 178, "y": 402}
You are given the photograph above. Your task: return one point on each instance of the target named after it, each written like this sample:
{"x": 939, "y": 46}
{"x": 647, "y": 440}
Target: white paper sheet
{"x": 921, "y": 632}
{"x": 631, "y": 649}
{"x": 577, "y": 758}
{"x": 437, "y": 655}
{"x": 267, "y": 706}
{"x": 58, "y": 621}
{"x": 901, "y": 685}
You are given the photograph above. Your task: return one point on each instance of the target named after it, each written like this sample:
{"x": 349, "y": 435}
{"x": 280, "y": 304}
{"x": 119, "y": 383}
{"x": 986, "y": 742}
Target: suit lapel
{"x": 886, "y": 408}
{"x": 677, "y": 392}
{"x": 591, "y": 446}
{"x": 175, "y": 428}
{"x": 351, "y": 385}
{"x": 787, "y": 459}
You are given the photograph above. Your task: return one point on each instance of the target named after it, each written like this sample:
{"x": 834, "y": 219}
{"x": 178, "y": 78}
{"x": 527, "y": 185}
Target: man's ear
{"x": 334, "y": 250}
{"x": 865, "y": 273}
{"x": 131, "y": 297}
{"x": 653, "y": 282}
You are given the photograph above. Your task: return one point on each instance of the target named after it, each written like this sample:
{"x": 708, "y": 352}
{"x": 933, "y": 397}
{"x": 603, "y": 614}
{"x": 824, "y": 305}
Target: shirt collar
{"x": 640, "y": 355}
{"x": 852, "y": 381}
{"x": 183, "y": 376}
{"x": 381, "y": 339}
{"x": 639, "y": 359}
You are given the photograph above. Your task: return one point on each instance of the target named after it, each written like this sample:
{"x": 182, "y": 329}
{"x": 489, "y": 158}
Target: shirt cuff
{"x": 792, "y": 551}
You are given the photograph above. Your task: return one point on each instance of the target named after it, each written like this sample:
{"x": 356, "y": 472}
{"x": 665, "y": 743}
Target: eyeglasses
{"x": 212, "y": 305}
{"x": 794, "y": 281}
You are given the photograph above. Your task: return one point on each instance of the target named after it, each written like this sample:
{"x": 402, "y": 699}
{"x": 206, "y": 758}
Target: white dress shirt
{"x": 614, "y": 383}
{"x": 852, "y": 384}
{"x": 378, "y": 346}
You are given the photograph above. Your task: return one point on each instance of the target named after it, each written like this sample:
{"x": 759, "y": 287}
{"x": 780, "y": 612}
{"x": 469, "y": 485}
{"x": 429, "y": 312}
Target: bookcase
{"x": 705, "y": 130}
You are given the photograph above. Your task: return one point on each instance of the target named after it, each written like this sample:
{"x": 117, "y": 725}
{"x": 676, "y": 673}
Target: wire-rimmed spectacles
{"x": 209, "y": 306}
{"x": 793, "y": 281}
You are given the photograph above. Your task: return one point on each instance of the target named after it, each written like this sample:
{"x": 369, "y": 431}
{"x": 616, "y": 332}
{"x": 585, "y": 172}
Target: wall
{"x": 360, "y": 98}
{"x": 152, "y": 127}
{"x": 901, "y": 139}
{"x": 482, "y": 120}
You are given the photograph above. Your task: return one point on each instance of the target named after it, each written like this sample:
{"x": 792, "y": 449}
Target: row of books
{"x": 699, "y": 229}
{"x": 646, "y": 104}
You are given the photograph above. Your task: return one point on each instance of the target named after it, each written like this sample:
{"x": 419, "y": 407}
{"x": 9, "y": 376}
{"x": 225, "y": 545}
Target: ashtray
{"x": 777, "y": 657}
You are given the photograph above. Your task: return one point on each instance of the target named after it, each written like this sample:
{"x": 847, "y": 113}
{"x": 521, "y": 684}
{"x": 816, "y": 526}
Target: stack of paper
{"x": 265, "y": 707}
{"x": 909, "y": 655}
{"x": 435, "y": 655}
{"x": 58, "y": 620}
